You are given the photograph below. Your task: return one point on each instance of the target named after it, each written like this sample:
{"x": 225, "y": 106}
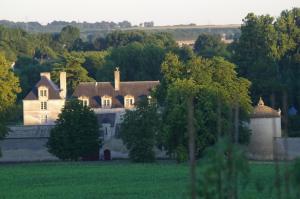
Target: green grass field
{"x": 111, "y": 180}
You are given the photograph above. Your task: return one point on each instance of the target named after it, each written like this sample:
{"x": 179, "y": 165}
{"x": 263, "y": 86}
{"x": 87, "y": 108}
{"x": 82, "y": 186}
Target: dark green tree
{"x": 212, "y": 82}
{"x": 76, "y": 73}
{"x": 256, "y": 55}
{"x": 209, "y": 45}
{"x": 68, "y": 36}
{"x": 28, "y": 71}
{"x": 76, "y": 132}
{"x": 97, "y": 64}
{"x": 222, "y": 176}
{"x": 8, "y": 93}
{"x": 138, "y": 61}
{"x": 288, "y": 29}
{"x": 139, "y": 130}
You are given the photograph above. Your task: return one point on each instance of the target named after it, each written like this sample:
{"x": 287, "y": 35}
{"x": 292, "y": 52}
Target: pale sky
{"x": 162, "y": 12}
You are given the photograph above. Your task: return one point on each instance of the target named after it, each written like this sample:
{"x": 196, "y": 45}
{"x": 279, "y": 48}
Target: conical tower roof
{"x": 262, "y": 111}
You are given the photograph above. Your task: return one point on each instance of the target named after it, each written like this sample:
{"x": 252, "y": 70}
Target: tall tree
{"x": 138, "y": 61}
{"x": 68, "y": 36}
{"x": 139, "y": 130}
{"x": 288, "y": 45}
{"x": 256, "y": 54}
{"x": 76, "y": 73}
{"x": 209, "y": 45}
{"x": 76, "y": 133}
{"x": 209, "y": 81}
{"x": 9, "y": 87}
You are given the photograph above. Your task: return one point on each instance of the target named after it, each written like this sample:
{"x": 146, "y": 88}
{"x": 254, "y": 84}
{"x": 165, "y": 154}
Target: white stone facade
{"x": 265, "y": 126}
{"x": 263, "y": 133}
{"x": 45, "y": 101}
{"x": 34, "y": 115}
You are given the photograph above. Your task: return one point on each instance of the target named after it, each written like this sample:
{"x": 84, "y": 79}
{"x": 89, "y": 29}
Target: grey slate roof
{"x": 52, "y": 89}
{"x": 95, "y": 90}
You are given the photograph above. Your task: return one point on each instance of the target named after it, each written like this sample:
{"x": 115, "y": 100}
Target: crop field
{"x": 109, "y": 180}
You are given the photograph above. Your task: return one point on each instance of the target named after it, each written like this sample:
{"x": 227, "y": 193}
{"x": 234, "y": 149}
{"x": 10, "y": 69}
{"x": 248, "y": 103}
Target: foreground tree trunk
{"x": 191, "y": 133}
{"x": 236, "y": 123}
{"x": 285, "y": 143}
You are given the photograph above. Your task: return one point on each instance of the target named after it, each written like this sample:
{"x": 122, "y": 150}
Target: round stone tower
{"x": 265, "y": 125}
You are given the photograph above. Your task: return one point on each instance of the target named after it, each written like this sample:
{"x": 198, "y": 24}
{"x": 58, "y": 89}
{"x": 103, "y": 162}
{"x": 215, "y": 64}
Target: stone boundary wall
{"x": 25, "y": 144}
{"x": 279, "y": 149}
{"x": 28, "y": 143}
{"x": 289, "y": 148}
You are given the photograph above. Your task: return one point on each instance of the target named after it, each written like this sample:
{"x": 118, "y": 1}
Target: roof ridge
{"x": 139, "y": 81}
{"x": 120, "y": 82}
{"x": 92, "y": 82}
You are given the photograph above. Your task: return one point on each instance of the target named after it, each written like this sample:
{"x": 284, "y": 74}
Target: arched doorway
{"x": 107, "y": 155}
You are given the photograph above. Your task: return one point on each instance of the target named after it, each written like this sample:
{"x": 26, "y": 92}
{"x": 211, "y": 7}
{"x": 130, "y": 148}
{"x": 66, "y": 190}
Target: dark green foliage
{"x": 28, "y": 71}
{"x": 138, "y": 61}
{"x": 76, "y": 132}
{"x": 225, "y": 166}
{"x": 123, "y": 38}
{"x": 295, "y": 177}
{"x": 181, "y": 154}
{"x": 96, "y": 63}
{"x": 208, "y": 80}
{"x": 267, "y": 53}
{"x": 9, "y": 88}
{"x": 294, "y": 126}
{"x": 209, "y": 45}
{"x": 68, "y": 36}
{"x": 14, "y": 42}
{"x": 76, "y": 73}
{"x": 256, "y": 54}
{"x": 139, "y": 130}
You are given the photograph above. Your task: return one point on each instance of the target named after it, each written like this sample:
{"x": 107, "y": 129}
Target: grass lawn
{"x": 117, "y": 179}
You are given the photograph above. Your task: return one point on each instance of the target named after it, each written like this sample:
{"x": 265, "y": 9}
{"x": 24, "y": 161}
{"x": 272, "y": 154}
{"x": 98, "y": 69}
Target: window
{"x": 106, "y": 102}
{"x": 43, "y": 93}
{"x": 43, "y": 105}
{"x": 129, "y": 101}
{"x": 44, "y": 119}
{"x": 85, "y": 102}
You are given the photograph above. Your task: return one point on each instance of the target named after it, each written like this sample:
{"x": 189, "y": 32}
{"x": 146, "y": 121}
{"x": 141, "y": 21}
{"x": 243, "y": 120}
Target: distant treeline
{"x": 57, "y": 26}
{"x": 90, "y": 31}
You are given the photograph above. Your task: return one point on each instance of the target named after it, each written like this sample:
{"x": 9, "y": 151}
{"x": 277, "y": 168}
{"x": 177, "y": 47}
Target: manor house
{"x": 109, "y": 100}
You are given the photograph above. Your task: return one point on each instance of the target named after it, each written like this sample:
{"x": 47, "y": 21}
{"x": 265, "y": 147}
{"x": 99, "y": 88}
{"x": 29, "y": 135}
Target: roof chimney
{"x": 63, "y": 84}
{"x": 46, "y": 74}
{"x": 117, "y": 79}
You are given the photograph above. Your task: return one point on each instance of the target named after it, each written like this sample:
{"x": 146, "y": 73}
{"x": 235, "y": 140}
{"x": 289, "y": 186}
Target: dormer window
{"x": 128, "y": 101}
{"x": 106, "y": 101}
{"x": 43, "y": 92}
{"x": 85, "y": 100}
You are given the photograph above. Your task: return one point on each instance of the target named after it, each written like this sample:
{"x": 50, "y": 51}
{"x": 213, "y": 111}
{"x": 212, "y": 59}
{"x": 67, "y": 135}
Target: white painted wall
{"x": 263, "y": 133}
{"x": 32, "y": 111}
